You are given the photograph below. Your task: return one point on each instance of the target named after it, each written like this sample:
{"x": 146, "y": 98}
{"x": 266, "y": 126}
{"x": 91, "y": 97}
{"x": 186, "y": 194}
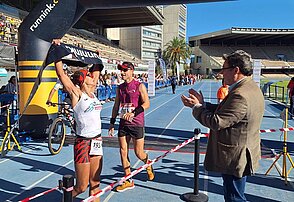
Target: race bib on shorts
{"x": 96, "y": 147}
{"x": 126, "y": 108}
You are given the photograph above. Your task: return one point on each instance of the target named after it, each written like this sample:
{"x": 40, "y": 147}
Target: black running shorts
{"x": 133, "y": 131}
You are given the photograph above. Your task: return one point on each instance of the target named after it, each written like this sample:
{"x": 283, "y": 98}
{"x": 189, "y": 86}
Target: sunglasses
{"x": 125, "y": 70}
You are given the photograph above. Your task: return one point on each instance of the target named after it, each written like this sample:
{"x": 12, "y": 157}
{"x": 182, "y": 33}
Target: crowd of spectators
{"x": 108, "y": 79}
{"x": 8, "y": 28}
{"x": 189, "y": 79}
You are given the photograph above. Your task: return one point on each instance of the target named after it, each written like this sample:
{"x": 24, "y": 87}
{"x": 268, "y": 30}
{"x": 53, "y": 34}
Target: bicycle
{"x": 57, "y": 130}
{"x": 6, "y": 143}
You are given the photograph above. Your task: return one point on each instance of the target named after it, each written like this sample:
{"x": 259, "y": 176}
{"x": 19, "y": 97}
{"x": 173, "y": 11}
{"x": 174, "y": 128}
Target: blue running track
{"x": 168, "y": 123}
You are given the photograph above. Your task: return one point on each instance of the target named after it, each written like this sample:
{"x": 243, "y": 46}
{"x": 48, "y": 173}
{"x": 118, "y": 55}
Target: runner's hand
{"x": 49, "y": 103}
{"x": 128, "y": 116}
{"x": 111, "y": 130}
{"x": 56, "y": 42}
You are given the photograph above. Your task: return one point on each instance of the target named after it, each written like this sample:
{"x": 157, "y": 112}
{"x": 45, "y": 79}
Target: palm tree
{"x": 176, "y": 50}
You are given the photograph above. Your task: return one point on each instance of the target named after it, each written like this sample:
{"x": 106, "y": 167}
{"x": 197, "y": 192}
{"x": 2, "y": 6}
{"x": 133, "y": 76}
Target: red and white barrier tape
{"x": 266, "y": 131}
{"x": 38, "y": 195}
{"x": 276, "y": 130}
{"x": 67, "y": 189}
{"x": 135, "y": 172}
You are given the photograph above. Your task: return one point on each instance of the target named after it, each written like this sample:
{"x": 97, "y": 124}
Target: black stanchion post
{"x": 68, "y": 182}
{"x": 195, "y": 196}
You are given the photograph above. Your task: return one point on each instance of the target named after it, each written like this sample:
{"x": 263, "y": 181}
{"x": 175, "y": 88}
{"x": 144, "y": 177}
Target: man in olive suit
{"x": 233, "y": 148}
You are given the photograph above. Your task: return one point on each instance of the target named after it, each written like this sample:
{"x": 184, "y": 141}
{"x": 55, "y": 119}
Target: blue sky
{"x": 209, "y": 17}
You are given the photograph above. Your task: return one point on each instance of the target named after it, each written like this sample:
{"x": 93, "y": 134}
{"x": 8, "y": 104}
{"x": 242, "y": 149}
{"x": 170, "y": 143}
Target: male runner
{"x": 132, "y": 100}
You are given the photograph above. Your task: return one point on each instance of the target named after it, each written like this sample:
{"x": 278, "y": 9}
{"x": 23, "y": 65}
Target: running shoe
{"x": 150, "y": 172}
{"x": 128, "y": 184}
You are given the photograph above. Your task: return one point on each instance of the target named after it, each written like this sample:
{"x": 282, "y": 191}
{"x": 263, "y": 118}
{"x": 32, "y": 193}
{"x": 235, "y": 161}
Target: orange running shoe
{"x": 150, "y": 172}
{"x": 128, "y": 184}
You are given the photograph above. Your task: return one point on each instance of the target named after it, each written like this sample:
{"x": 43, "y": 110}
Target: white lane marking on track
{"x": 109, "y": 196}
{"x": 8, "y": 192}
{"x": 19, "y": 154}
{"x": 40, "y": 180}
{"x": 171, "y": 122}
{"x": 163, "y": 104}
{"x": 205, "y": 186}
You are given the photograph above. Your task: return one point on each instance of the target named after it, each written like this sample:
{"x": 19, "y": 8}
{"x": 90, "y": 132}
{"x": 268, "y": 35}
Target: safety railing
{"x": 275, "y": 92}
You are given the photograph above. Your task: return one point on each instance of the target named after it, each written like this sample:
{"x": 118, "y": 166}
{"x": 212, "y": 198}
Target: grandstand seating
{"x": 271, "y": 63}
{"x": 271, "y": 56}
{"x": 8, "y": 28}
{"x": 81, "y": 38}
{"x": 291, "y": 64}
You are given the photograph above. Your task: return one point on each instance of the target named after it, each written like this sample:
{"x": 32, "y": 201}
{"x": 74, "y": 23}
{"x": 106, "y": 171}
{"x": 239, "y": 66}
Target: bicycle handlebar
{"x": 59, "y": 104}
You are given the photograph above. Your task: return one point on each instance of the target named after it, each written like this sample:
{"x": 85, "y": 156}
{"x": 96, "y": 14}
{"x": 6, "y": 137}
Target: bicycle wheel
{"x": 56, "y": 136}
{"x": 5, "y": 146}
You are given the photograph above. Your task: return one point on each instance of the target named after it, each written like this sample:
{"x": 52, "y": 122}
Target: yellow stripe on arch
{"x": 33, "y": 63}
{"x": 38, "y": 104}
{"x": 34, "y": 74}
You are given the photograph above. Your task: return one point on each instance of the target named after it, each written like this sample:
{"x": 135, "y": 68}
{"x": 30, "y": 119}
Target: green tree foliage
{"x": 176, "y": 50}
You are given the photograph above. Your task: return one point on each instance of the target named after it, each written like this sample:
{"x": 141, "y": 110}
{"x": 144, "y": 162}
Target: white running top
{"x": 87, "y": 116}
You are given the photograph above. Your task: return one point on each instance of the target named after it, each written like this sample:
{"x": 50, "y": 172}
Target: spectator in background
{"x": 11, "y": 86}
{"x": 222, "y": 92}
{"x": 290, "y": 87}
{"x": 174, "y": 83}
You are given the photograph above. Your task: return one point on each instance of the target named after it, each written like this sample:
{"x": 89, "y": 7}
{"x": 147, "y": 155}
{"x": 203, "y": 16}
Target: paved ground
{"x": 168, "y": 123}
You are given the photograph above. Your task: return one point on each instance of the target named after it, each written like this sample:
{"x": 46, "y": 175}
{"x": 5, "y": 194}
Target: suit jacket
{"x": 234, "y": 143}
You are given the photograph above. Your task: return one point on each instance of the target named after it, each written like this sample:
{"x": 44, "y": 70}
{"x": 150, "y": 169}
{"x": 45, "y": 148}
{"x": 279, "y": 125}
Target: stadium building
{"x": 146, "y": 41}
{"x": 274, "y": 47}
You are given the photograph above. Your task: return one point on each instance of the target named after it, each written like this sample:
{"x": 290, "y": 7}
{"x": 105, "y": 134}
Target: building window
{"x": 182, "y": 29}
{"x": 198, "y": 59}
{"x": 152, "y": 44}
{"x": 149, "y": 54}
{"x": 192, "y": 58}
{"x": 181, "y": 19}
{"x": 149, "y": 33}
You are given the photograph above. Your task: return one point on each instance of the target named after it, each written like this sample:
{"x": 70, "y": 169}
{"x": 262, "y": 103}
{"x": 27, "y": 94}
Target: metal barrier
{"x": 195, "y": 196}
{"x": 277, "y": 92}
{"x": 109, "y": 92}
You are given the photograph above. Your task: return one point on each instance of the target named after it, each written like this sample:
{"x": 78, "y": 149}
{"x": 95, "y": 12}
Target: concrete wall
{"x": 174, "y": 17}
{"x": 130, "y": 39}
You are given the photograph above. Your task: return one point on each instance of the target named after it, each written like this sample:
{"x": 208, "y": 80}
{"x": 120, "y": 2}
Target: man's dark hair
{"x": 240, "y": 59}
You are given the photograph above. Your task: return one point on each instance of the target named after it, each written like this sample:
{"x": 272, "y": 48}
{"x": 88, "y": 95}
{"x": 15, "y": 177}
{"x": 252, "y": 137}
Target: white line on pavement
{"x": 42, "y": 179}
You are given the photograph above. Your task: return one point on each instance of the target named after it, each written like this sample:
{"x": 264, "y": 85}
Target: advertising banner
{"x": 256, "y": 71}
{"x": 151, "y": 78}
